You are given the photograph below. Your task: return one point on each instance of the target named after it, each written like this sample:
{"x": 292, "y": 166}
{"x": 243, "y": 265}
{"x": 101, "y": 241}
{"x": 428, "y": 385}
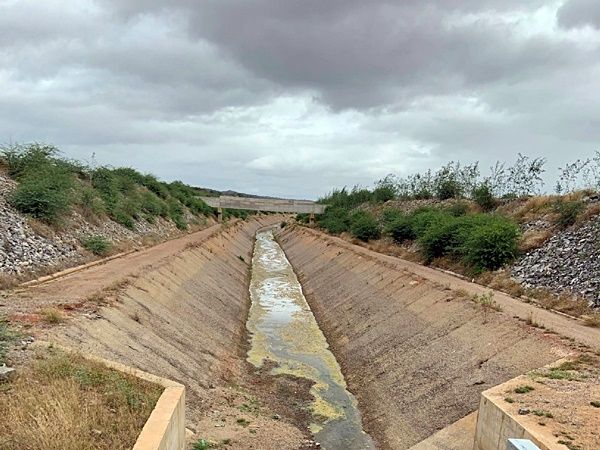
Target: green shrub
{"x": 400, "y": 229}
{"x": 491, "y": 245}
{"x": 23, "y": 160}
{"x": 303, "y": 218}
{"x": 458, "y": 209}
{"x": 568, "y": 212}
{"x": 440, "y": 238}
{"x": 45, "y": 196}
{"x": 336, "y": 220}
{"x": 176, "y": 213}
{"x": 389, "y": 215}
{"x": 6, "y": 337}
{"x": 384, "y": 193}
{"x": 364, "y": 226}
{"x": 91, "y": 203}
{"x": 421, "y": 219}
{"x": 122, "y": 217}
{"x": 152, "y": 205}
{"x": 98, "y": 245}
{"x": 484, "y": 197}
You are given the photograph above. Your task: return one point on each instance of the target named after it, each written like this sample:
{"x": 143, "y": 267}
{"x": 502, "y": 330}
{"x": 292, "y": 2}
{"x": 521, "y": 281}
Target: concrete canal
{"x": 284, "y": 330}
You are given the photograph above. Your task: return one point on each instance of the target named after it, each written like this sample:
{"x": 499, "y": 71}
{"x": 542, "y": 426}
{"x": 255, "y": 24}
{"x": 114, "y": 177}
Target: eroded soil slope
{"x": 416, "y": 353}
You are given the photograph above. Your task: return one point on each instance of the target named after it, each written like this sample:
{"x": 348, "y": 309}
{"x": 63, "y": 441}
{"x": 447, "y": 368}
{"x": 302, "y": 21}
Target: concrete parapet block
{"x": 496, "y": 425}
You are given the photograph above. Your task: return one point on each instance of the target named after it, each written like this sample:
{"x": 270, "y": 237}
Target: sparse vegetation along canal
{"x": 285, "y": 332}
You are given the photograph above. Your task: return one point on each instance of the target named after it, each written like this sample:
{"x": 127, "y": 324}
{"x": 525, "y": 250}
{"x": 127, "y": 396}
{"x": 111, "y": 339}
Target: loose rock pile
{"x": 21, "y": 249}
{"x": 570, "y": 260}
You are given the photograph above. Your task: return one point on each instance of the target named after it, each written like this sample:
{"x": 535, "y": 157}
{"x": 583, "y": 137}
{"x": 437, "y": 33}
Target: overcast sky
{"x": 295, "y": 97}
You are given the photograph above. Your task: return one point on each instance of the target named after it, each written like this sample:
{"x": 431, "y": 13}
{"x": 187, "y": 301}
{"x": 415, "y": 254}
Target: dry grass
{"x": 8, "y": 281}
{"x": 52, "y": 316}
{"x": 501, "y": 281}
{"x": 591, "y": 211}
{"x": 592, "y": 320}
{"x": 566, "y": 303}
{"x": 530, "y": 209}
{"x": 109, "y": 293}
{"x": 533, "y": 239}
{"x": 40, "y": 228}
{"x": 65, "y": 402}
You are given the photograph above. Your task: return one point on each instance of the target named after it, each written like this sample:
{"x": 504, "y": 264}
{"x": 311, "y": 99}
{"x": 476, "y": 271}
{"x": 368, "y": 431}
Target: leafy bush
{"x": 491, "y": 245}
{"x": 458, "y": 209}
{"x": 401, "y": 229}
{"x": 98, "y": 245}
{"x": 303, "y": 218}
{"x": 364, "y": 226}
{"x": 568, "y": 212}
{"x": 90, "y": 202}
{"x": 389, "y": 215}
{"x": 422, "y": 219}
{"x": 176, "y": 213}
{"x": 441, "y": 237}
{"x": 120, "y": 216}
{"x": 384, "y": 193}
{"x": 336, "y": 220}
{"x": 484, "y": 197}
{"x": 23, "y": 160}
{"x": 45, "y": 196}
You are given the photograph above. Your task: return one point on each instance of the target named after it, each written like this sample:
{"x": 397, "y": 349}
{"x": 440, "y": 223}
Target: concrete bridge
{"x": 265, "y": 205}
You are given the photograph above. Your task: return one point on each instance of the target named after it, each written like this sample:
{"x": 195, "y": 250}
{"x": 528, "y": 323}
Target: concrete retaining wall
{"x": 496, "y": 425}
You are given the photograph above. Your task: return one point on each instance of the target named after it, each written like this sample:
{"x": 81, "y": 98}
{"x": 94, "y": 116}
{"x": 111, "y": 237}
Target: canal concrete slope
{"x": 184, "y": 319}
{"x": 415, "y": 353}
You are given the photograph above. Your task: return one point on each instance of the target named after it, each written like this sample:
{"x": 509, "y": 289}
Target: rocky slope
{"x": 569, "y": 260}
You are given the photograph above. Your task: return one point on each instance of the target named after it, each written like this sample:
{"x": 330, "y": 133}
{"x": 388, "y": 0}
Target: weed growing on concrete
{"x": 543, "y": 413}
{"x": 243, "y": 422}
{"x": 570, "y": 445}
{"x": 524, "y": 389}
{"x": 202, "y": 444}
{"x": 488, "y": 303}
{"x": 509, "y": 400}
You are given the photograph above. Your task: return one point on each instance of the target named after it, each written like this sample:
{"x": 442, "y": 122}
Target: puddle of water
{"x": 284, "y": 330}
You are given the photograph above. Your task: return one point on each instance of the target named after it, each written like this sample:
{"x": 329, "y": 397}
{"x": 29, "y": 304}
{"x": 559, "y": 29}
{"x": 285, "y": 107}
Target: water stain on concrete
{"x": 284, "y": 330}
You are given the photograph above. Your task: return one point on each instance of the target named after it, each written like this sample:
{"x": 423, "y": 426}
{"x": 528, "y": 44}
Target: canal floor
{"x": 284, "y": 330}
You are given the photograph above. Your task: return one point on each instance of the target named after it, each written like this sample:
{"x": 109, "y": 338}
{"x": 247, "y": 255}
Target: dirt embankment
{"x": 183, "y": 317}
{"x": 417, "y": 353}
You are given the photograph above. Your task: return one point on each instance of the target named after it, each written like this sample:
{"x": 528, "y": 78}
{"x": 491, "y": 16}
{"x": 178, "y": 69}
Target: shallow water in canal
{"x": 284, "y": 330}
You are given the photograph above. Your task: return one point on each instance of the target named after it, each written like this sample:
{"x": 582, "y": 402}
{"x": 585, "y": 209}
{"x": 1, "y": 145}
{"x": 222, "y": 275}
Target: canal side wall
{"x": 183, "y": 319}
{"x": 415, "y": 353}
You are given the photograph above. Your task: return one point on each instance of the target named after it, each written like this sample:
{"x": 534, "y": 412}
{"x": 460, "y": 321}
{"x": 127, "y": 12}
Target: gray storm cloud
{"x": 294, "y": 98}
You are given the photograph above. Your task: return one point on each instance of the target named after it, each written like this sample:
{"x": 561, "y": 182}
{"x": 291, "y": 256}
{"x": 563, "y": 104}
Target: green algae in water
{"x": 284, "y": 330}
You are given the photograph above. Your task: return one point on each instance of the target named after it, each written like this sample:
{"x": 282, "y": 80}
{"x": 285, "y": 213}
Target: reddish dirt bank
{"x": 181, "y": 315}
{"x": 416, "y": 353}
